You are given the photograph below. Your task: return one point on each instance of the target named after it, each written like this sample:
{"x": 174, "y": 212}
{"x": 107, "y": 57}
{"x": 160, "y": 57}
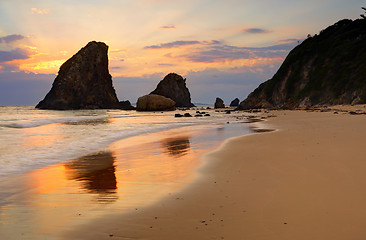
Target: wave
{"x": 37, "y": 123}
{"x": 18, "y": 162}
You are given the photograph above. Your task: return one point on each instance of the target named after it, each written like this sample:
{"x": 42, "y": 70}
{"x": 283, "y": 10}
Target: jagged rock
{"x": 219, "y": 103}
{"x": 83, "y": 82}
{"x": 235, "y": 102}
{"x": 153, "y": 102}
{"x": 173, "y": 86}
{"x": 328, "y": 68}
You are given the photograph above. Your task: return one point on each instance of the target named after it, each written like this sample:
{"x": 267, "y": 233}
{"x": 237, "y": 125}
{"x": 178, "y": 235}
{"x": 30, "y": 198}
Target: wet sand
{"x": 127, "y": 176}
{"x": 305, "y": 180}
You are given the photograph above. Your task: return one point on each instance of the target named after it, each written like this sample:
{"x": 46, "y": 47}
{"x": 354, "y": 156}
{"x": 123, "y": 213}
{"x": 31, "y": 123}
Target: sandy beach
{"x": 303, "y": 181}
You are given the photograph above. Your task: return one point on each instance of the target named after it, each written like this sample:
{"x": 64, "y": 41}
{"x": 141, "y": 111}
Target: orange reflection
{"x": 133, "y": 173}
{"x": 156, "y": 162}
{"x": 46, "y": 180}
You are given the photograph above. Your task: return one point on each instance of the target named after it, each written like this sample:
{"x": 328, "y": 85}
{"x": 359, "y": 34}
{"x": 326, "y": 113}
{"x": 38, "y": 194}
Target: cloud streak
{"x": 177, "y": 44}
{"x": 223, "y": 53}
{"x": 11, "y": 38}
{"x": 16, "y": 54}
{"x": 255, "y": 30}
{"x": 290, "y": 40}
{"x": 172, "y": 44}
{"x": 169, "y": 26}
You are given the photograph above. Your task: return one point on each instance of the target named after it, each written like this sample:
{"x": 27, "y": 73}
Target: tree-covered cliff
{"x": 329, "y": 68}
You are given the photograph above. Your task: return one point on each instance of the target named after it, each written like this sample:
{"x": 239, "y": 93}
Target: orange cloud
{"x": 40, "y": 11}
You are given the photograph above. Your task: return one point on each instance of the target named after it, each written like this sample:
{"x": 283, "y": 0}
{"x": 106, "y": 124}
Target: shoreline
{"x": 130, "y": 174}
{"x": 303, "y": 181}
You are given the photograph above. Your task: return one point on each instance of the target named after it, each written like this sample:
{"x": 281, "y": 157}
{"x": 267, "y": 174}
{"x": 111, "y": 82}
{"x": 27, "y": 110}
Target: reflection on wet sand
{"x": 133, "y": 173}
{"x": 96, "y": 172}
{"x": 176, "y": 147}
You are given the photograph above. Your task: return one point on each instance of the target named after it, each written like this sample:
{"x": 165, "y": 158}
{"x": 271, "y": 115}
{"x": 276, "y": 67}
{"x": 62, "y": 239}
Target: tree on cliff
{"x": 363, "y": 16}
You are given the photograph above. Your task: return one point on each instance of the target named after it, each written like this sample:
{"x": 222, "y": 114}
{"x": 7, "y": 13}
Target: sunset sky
{"x": 223, "y": 48}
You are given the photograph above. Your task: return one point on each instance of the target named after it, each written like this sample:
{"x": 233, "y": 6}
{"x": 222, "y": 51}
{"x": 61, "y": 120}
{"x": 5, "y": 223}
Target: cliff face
{"x": 83, "y": 82}
{"x": 329, "y": 68}
{"x": 173, "y": 86}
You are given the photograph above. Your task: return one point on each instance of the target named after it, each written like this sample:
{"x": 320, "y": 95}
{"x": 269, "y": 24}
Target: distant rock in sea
{"x": 219, "y": 103}
{"x": 235, "y": 102}
{"x": 154, "y": 102}
{"x": 173, "y": 86}
{"x": 84, "y": 82}
{"x": 325, "y": 69}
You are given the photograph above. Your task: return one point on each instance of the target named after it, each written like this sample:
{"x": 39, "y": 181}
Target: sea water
{"x": 31, "y": 138}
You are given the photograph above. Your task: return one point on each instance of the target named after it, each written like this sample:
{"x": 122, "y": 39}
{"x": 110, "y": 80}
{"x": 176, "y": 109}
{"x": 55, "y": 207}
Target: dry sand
{"x": 306, "y": 180}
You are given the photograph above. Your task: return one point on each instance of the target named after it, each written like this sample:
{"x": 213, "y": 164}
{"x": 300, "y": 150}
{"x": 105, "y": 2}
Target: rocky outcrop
{"x": 326, "y": 69}
{"x": 126, "y": 105}
{"x": 235, "y": 102}
{"x": 219, "y": 103}
{"x": 153, "y": 102}
{"x": 83, "y": 82}
{"x": 173, "y": 86}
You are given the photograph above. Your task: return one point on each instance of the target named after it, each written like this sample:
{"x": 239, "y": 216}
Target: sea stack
{"x": 83, "y": 82}
{"x": 235, "y": 102}
{"x": 219, "y": 103}
{"x": 173, "y": 86}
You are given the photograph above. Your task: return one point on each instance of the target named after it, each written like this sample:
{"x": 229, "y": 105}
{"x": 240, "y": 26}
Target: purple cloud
{"x": 222, "y": 53}
{"x": 11, "y": 38}
{"x": 166, "y": 64}
{"x": 172, "y": 44}
{"x": 170, "y": 26}
{"x": 7, "y": 56}
{"x": 255, "y": 30}
{"x": 181, "y": 43}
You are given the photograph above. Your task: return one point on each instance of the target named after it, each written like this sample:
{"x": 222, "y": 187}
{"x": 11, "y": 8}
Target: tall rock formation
{"x": 219, "y": 103}
{"x": 83, "y": 82}
{"x": 173, "y": 86}
{"x": 329, "y": 68}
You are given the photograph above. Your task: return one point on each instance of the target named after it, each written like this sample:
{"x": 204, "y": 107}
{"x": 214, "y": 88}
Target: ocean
{"x": 31, "y": 139}
{"x": 60, "y": 169}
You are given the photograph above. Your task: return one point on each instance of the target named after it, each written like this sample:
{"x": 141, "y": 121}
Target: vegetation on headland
{"x": 327, "y": 68}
